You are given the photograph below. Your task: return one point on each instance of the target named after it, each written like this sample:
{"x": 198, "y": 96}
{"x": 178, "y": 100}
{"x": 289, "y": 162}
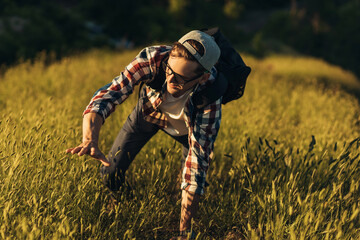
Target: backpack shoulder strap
{"x": 159, "y": 77}
{"x": 211, "y": 93}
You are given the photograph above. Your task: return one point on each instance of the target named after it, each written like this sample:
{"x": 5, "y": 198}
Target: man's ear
{"x": 204, "y": 78}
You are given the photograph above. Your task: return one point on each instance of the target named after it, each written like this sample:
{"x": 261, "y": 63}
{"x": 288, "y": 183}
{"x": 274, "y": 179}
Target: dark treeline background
{"x": 328, "y": 29}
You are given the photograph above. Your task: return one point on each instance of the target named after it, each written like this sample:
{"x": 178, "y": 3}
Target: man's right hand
{"x": 91, "y": 129}
{"x": 90, "y": 148}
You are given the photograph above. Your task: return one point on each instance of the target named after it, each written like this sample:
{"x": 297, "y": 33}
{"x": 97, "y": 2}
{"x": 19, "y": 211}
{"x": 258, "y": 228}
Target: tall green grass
{"x": 286, "y": 160}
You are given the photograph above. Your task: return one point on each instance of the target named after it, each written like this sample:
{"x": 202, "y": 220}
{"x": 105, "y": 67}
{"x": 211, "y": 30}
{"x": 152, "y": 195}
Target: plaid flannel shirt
{"x": 203, "y": 124}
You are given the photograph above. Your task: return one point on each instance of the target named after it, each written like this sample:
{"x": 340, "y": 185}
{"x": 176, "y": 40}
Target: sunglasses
{"x": 178, "y": 78}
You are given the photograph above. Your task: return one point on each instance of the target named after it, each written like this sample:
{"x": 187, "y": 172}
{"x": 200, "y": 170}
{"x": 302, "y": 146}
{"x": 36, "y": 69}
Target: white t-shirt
{"x": 173, "y": 108}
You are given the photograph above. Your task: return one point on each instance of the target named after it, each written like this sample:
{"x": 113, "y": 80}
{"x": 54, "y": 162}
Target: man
{"x": 186, "y": 68}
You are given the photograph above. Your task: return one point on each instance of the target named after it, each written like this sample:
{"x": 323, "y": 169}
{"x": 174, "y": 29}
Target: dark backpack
{"x": 231, "y": 79}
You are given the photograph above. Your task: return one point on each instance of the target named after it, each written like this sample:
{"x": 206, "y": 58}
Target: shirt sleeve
{"x": 201, "y": 144}
{"x": 142, "y": 68}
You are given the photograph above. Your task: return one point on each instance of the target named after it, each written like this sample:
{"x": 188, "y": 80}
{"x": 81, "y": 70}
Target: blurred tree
{"x": 293, "y": 7}
{"x": 178, "y": 7}
{"x": 30, "y": 29}
{"x": 233, "y": 9}
{"x": 265, "y": 4}
{"x": 325, "y": 28}
{"x": 115, "y": 16}
{"x": 6, "y": 6}
{"x": 345, "y": 49}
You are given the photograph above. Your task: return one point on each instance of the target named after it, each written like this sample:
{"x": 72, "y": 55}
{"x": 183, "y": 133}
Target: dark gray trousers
{"x": 135, "y": 133}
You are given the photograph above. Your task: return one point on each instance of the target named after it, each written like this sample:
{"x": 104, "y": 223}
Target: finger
{"x": 105, "y": 163}
{"x": 69, "y": 150}
{"x": 97, "y": 154}
{"x": 84, "y": 150}
{"x": 76, "y": 150}
{"x": 101, "y": 157}
{"x": 93, "y": 151}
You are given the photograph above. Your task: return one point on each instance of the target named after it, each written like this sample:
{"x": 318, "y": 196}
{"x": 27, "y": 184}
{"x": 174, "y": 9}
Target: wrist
{"x": 190, "y": 234}
{"x": 90, "y": 140}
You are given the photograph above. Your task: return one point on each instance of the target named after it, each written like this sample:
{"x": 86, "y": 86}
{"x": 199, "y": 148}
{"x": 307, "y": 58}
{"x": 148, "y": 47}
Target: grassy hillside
{"x": 286, "y": 160}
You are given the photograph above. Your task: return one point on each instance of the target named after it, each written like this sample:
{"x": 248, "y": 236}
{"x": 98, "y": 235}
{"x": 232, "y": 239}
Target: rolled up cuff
{"x": 192, "y": 188}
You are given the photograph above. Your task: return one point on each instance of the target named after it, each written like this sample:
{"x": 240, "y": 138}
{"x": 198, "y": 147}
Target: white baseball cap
{"x": 212, "y": 50}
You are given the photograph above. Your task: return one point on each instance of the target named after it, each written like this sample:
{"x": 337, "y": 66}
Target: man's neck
{"x": 182, "y": 94}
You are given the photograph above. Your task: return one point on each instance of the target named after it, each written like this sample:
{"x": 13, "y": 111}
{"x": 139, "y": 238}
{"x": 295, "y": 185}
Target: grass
{"x": 286, "y": 159}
